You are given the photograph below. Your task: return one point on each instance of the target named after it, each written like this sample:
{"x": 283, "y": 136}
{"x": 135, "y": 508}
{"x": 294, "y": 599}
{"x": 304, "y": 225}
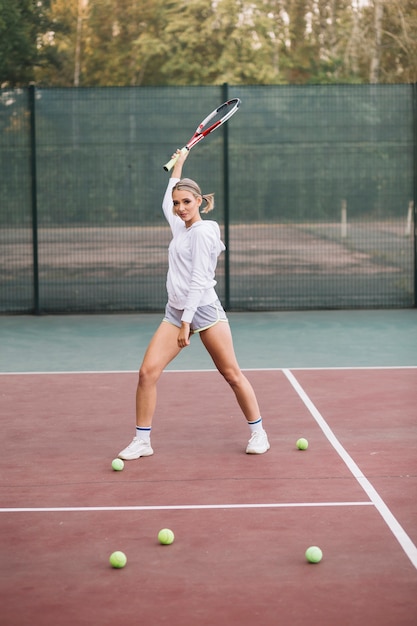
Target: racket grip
{"x": 168, "y": 166}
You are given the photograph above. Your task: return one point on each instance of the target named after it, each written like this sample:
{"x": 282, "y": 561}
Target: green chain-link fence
{"x": 315, "y": 194}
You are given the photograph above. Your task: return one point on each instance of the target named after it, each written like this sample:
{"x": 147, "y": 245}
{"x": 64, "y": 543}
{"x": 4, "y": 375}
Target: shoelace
{"x": 134, "y": 441}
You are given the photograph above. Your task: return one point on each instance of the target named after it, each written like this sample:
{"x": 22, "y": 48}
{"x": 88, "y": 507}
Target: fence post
{"x": 409, "y": 221}
{"x": 226, "y": 194}
{"x": 34, "y": 199}
{"x": 414, "y": 113}
{"x": 343, "y": 219}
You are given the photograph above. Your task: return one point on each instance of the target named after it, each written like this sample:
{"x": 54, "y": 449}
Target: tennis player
{"x": 193, "y": 307}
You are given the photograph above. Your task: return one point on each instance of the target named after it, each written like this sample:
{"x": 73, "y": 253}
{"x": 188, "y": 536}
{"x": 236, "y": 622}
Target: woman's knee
{"x": 232, "y": 376}
{"x": 148, "y": 375}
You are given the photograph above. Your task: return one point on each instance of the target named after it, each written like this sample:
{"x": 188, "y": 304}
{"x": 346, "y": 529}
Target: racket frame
{"x": 199, "y": 133}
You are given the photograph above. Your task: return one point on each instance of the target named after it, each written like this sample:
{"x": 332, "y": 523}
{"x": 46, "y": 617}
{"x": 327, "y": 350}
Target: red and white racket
{"x": 216, "y": 118}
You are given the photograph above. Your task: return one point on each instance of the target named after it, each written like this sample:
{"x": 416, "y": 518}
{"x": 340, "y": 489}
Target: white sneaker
{"x": 136, "y": 449}
{"x": 258, "y": 443}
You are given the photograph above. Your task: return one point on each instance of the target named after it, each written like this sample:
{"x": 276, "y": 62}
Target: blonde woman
{"x": 193, "y": 307}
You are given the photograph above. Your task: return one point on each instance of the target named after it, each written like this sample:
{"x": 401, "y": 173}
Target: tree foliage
{"x": 26, "y": 47}
{"x": 154, "y": 42}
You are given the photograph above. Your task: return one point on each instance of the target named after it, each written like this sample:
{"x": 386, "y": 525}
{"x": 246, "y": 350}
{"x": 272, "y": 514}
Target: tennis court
{"x": 347, "y": 381}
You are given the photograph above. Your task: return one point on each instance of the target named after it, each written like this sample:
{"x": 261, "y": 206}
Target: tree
{"x": 212, "y": 44}
{"x": 387, "y": 41}
{"x": 62, "y": 35}
{"x": 376, "y": 48}
{"x": 23, "y": 47}
{"x": 398, "y": 51}
{"x": 164, "y": 42}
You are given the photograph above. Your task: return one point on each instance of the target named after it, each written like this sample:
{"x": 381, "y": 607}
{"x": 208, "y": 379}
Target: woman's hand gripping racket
{"x": 216, "y": 118}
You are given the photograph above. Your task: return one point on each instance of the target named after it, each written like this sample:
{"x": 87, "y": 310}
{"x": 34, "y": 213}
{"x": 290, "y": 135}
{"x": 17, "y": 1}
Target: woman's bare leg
{"x": 219, "y": 343}
{"x": 162, "y": 349}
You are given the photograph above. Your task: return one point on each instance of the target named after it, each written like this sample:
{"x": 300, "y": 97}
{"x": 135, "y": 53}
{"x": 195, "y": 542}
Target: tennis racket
{"x": 216, "y": 118}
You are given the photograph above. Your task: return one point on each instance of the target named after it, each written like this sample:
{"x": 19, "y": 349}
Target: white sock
{"x": 256, "y": 426}
{"x": 144, "y": 433}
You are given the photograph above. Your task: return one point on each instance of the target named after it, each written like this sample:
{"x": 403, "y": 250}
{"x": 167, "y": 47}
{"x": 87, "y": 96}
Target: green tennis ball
{"x": 118, "y": 559}
{"x": 314, "y": 554}
{"x": 302, "y": 444}
{"x": 117, "y": 465}
{"x": 166, "y": 536}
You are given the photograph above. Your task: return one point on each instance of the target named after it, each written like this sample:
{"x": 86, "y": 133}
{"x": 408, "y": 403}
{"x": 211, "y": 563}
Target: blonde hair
{"x": 186, "y": 184}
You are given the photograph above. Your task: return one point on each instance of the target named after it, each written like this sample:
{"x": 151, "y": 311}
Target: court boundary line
{"x": 181, "y": 507}
{"x": 394, "y": 526}
{"x": 244, "y": 369}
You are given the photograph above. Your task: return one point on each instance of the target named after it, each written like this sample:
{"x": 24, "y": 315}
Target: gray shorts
{"x": 205, "y": 316}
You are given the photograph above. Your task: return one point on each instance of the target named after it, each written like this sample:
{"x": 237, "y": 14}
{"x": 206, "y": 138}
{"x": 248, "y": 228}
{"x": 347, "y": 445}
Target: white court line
{"x": 397, "y": 530}
{"x": 180, "y": 507}
{"x": 198, "y": 371}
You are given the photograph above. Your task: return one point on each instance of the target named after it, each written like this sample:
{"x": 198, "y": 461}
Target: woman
{"x": 193, "y": 307}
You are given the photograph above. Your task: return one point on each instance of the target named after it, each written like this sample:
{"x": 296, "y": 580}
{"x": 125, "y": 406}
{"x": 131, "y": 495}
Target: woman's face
{"x": 186, "y": 206}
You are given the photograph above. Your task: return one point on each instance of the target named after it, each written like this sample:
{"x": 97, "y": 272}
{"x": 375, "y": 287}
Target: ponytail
{"x": 209, "y": 198}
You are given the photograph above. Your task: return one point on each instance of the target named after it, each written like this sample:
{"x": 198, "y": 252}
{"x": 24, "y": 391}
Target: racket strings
{"x": 221, "y": 114}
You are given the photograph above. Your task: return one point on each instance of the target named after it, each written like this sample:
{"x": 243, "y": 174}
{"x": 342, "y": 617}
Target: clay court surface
{"x": 242, "y": 523}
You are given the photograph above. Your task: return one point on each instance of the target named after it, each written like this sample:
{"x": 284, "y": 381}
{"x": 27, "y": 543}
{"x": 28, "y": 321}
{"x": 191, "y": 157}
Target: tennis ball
{"x": 165, "y": 536}
{"x": 118, "y": 559}
{"x": 314, "y": 554}
{"x": 117, "y": 465}
{"x": 302, "y": 444}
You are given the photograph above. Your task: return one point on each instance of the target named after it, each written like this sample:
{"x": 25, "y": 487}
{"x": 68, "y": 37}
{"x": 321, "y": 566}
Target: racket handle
{"x": 168, "y": 166}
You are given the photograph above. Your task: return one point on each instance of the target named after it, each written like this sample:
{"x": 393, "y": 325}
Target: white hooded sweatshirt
{"x": 192, "y": 258}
